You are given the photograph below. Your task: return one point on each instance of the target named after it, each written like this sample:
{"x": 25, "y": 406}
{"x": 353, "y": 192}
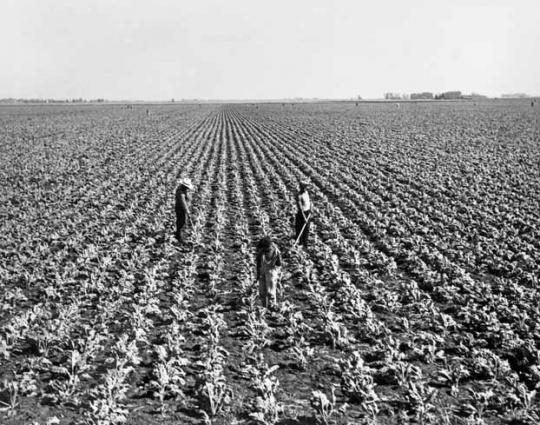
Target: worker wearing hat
{"x": 181, "y": 206}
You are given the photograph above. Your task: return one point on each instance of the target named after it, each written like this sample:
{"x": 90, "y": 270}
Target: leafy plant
{"x": 168, "y": 377}
{"x": 301, "y": 353}
{"x": 453, "y": 374}
{"x": 357, "y": 381}
{"x": 477, "y": 403}
{"x": 12, "y": 389}
{"x": 326, "y": 408}
{"x": 420, "y": 398}
{"x": 266, "y": 408}
{"x": 405, "y": 372}
{"x": 212, "y": 390}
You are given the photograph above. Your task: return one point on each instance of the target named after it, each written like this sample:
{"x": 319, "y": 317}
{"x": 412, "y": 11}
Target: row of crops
{"x": 416, "y": 301}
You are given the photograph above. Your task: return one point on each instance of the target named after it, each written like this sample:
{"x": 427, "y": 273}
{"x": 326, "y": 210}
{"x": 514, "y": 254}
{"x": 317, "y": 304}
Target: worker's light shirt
{"x": 303, "y": 200}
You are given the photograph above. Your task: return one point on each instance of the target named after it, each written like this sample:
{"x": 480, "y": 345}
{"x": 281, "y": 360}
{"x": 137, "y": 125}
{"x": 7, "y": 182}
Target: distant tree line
{"x": 424, "y": 95}
{"x": 27, "y": 101}
{"x": 449, "y": 95}
{"x": 395, "y": 96}
{"x": 515, "y": 96}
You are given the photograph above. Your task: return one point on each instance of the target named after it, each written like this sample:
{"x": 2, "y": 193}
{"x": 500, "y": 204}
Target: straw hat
{"x": 186, "y": 182}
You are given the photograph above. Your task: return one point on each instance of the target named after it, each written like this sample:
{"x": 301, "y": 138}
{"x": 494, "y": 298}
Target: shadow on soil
{"x": 301, "y": 420}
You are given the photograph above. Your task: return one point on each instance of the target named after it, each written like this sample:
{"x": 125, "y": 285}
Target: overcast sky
{"x": 251, "y": 49}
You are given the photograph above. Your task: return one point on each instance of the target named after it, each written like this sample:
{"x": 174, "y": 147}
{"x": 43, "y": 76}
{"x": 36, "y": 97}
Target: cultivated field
{"x": 416, "y": 302}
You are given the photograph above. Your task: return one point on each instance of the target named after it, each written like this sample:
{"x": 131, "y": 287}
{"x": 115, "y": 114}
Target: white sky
{"x": 254, "y": 49}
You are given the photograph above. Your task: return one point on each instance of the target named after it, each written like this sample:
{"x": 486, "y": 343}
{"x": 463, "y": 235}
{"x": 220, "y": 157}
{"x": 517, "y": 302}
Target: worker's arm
{"x": 278, "y": 259}
{"x": 183, "y": 204}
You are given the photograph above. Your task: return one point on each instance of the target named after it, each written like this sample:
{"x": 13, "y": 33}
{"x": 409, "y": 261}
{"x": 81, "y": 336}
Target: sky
{"x": 254, "y": 49}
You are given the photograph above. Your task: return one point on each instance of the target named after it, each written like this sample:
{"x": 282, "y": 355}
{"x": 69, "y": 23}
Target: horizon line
{"x": 475, "y": 96}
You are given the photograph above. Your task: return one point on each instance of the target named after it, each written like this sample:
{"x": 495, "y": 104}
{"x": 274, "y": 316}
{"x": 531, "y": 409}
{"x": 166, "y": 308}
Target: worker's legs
{"x": 272, "y": 279}
{"x": 180, "y": 223}
{"x": 299, "y": 224}
{"x": 262, "y": 290}
{"x": 305, "y": 235}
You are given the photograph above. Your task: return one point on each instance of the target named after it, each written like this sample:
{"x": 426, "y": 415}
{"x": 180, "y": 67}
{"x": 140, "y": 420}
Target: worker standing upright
{"x": 182, "y": 206}
{"x": 303, "y": 214}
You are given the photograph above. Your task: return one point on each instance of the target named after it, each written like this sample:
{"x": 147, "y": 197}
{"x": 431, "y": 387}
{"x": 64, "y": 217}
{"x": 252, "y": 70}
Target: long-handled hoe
{"x": 302, "y": 231}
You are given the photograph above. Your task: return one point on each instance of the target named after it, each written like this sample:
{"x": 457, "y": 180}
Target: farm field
{"x": 416, "y": 302}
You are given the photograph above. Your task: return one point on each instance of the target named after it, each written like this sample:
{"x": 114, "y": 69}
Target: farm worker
{"x": 181, "y": 206}
{"x": 268, "y": 270}
{"x": 303, "y": 214}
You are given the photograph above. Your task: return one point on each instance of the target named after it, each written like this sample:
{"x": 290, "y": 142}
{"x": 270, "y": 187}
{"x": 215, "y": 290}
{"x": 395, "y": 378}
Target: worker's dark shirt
{"x": 181, "y": 201}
